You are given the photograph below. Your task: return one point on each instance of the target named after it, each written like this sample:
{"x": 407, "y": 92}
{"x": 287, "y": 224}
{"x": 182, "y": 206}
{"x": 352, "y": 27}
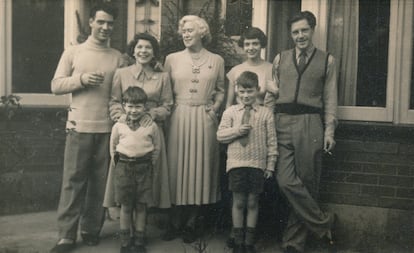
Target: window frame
{"x": 132, "y": 19}
{"x": 45, "y": 100}
{"x": 399, "y": 64}
{"x": 405, "y": 19}
{"x": 38, "y": 100}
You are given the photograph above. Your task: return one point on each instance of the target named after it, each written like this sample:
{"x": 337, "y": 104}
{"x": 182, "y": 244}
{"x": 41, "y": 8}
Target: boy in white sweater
{"x": 249, "y": 130}
{"x": 135, "y": 149}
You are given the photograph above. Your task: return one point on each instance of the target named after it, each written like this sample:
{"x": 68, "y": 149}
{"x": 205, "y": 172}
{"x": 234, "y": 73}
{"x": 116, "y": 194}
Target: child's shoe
{"x": 238, "y": 248}
{"x": 230, "y": 242}
{"x": 249, "y": 249}
{"x": 139, "y": 249}
{"x": 125, "y": 249}
{"x": 171, "y": 234}
{"x": 189, "y": 235}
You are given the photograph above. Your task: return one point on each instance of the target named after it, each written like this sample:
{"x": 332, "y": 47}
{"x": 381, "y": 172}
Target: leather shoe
{"x": 291, "y": 249}
{"x": 125, "y": 249}
{"x": 331, "y": 238}
{"x": 139, "y": 249}
{"x": 189, "y": 235}
{"x": 249, "y": 249}
{"x": 90, "y": 239}
{"x": 238, "y": 248}
{"x": 63, "y": 248}
{"x": 230, "y": 242}
{"x": 170, "y": 234}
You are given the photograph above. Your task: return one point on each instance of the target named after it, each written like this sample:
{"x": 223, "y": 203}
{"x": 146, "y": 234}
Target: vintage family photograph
{"x": 234, "y": 126}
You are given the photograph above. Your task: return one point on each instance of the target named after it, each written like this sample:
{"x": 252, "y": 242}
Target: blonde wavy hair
{"x": 202, "y": 25}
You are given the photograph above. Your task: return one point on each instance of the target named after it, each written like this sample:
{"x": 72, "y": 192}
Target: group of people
{"x": 148, "y": 136}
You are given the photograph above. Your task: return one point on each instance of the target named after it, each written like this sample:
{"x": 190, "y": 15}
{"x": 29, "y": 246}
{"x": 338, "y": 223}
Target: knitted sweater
{"x": 88, "y": 111}
{"x": 135, "y": 143}
{"x": 261, "y": 149}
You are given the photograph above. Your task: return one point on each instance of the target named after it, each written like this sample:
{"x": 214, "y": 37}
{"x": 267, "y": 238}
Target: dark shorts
{"x": 247, "y": 180}
{"x": 133, "y": 182}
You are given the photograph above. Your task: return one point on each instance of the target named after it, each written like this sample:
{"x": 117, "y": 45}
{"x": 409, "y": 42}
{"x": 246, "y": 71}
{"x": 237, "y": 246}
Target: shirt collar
{"x": 133, "y": 124}
{"x": 138, "y": 71}
{"x": 241, "y": 106}
{"x": 308, "y": 51}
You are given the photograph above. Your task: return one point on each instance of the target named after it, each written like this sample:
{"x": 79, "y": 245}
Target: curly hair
{"x": 106, "y": 7}
{"x": 201, "y": 24}
{"x": 154, "y": 43}
{"x": 253, "y": 33}
{"x": 304, "y": 15}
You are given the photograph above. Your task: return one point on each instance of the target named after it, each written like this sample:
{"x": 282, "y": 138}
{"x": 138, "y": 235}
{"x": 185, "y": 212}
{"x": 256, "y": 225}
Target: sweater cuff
{"x": 271, "y": 162}
{"x": 79, "y": 84}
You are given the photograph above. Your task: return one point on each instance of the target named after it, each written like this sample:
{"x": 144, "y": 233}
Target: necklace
{"x": 195, "y": 56}
{"x": 197, "y": 62}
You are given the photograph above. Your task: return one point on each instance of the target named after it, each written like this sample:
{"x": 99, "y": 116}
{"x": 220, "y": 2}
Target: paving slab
{"x": 36, "y": 233}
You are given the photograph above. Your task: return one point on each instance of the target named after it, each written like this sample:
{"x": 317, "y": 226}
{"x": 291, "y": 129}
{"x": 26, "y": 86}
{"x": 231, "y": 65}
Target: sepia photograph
{"x": 206, "y": 126}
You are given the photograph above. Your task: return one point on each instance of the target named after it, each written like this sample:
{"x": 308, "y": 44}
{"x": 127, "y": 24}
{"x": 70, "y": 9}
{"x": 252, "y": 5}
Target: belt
{"x": 295, "y": 109}
{"x": 190, "y": 102}
{"x": 142, "y": 159}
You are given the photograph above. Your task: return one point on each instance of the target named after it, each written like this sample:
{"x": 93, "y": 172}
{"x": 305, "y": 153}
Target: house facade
{"x": 368, "y": 180}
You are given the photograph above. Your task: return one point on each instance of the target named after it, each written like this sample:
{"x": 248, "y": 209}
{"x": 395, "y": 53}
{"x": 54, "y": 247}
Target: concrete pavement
{"x": 36, "y": 233}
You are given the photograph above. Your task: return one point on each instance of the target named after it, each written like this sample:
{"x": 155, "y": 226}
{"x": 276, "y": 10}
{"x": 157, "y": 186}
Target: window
{"x": 33, "y": 35}
{"x": 358, "y": 35}
{"x": 372, "y": 43}
{"x": 238, "y": 16}
{"x": 37, "y": 43}
{"x": 148, "y": 17}
{"x": 278, "y": 34}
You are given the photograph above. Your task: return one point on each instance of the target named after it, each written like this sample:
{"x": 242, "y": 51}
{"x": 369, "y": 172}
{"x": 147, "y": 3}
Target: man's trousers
{"x": 300, "y": 144}
{"x": 85, "y": 169}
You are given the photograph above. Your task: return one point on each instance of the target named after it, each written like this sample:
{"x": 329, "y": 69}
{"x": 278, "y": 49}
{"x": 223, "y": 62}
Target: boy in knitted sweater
{"x": 249, "y": 131}
{"x": 135, "y": 150}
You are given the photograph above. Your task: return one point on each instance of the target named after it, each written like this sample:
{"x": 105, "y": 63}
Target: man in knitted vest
{"x": 85, "y": 71}
{"x": 305, "y": 115}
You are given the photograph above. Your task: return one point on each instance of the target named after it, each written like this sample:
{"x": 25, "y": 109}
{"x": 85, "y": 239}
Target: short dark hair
{"x": 307, "y": 15}
{"x": 253, "y": 33}
{"x": 134, "y": 95}
{"x": 248, "y": 79}
{"x": 144, "y": 36}
{"x": 106, "y": 7}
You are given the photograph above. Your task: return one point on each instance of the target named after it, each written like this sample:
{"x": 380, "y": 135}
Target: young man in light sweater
{"x": 249, "y": 130}
{"x": 85, "y": 71}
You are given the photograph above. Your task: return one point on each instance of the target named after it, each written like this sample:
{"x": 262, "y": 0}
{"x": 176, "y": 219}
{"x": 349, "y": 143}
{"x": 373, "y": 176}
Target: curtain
{"x": 343, "y": 45}
{"x": 278, "y": 34}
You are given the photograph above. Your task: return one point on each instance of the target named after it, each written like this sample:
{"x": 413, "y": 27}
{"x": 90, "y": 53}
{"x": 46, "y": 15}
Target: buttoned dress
{"x": 157, "y": 86}
{"x": 193, "y": 151}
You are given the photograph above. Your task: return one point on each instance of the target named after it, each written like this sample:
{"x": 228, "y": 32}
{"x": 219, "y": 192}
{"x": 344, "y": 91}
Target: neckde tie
{"x": 302, "y": 62}
{"x": 245, "y": 120}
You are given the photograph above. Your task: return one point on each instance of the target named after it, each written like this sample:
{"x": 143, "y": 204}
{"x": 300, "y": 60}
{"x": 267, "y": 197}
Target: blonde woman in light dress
{"x": 197, "y": 77}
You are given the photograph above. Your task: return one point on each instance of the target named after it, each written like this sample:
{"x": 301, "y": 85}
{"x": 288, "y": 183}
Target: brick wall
{"x": 371, "y": 166}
